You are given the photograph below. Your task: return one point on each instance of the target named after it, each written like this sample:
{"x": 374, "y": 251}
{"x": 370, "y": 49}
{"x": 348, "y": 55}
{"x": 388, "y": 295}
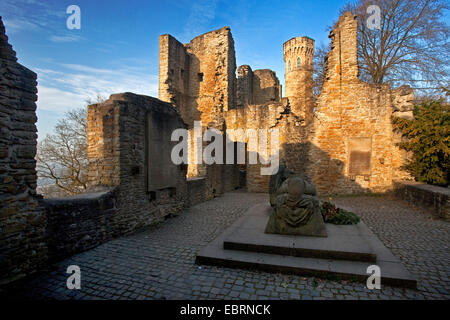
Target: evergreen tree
{"x": 428, "y": 138}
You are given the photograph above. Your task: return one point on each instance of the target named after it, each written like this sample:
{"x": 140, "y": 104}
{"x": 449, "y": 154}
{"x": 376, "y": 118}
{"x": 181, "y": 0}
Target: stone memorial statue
{"x": 295, "y": 205}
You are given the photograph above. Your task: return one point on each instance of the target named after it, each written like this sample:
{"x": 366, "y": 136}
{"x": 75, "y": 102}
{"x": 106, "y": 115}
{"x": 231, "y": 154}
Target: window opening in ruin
{"x": 299, "y": 62}
{"x": 289, "y": 65}
{"x": 200, "y": 76}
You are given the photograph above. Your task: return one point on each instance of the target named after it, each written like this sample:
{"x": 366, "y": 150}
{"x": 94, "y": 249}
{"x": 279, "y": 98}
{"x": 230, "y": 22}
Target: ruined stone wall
{"x": 347, "y": 145}
{"x": 257, "y": 87}
{"x": 22, "y": 219}
{"x": 103, "y": 144}
{"x": 244, "y": 88}
{"x": 174, "y": 75}
{"x": 266, "y": 87}
{"x": 199, "y": 79}
{"x": 117, "y": 158}
{"x": 211, "y": 91}
{"x": 215, "y": 59}
{"x": 292, "y": 138}
{"x": 352, "y": 142}
{"x": 120, "y": 198}
{"x": 260, "y": 106}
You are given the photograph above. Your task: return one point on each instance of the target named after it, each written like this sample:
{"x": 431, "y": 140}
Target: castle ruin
{"x": 344, "y": 141}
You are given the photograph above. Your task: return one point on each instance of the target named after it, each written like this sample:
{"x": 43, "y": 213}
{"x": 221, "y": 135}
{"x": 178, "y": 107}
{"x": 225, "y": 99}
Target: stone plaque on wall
{"x": 161, "y": 171}
{"x": 360, "y": 150}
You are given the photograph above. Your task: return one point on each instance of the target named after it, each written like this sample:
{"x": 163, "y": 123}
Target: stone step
{"x": 300, "y": 251}
{"x": 392, "y": 273}
{"x": 346, "y": 242}
{"x": 345, "y": 253}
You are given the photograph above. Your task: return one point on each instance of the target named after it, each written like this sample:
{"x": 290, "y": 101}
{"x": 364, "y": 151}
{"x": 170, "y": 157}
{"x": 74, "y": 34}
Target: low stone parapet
{"x": 425, "y": 195}
{"x": 79, "y": 223}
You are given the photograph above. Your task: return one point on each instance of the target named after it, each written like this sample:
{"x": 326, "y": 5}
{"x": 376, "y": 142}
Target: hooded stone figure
{"x": 296, "y": 207}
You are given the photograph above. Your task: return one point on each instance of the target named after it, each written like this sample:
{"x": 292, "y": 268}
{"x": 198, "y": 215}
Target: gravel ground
{"x": 158, "y": 262}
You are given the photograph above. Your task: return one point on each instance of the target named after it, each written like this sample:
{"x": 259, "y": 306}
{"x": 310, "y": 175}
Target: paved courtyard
{"x": 158, "y": 263}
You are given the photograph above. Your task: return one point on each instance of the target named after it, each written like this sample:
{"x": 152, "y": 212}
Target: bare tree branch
{"x": 62, "y": 156}
{"x": 412, "y": 43}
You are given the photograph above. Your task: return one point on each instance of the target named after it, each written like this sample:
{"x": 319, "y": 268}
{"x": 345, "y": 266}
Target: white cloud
{"x": 21, "y": 9}
{"x": 57, "y": 100}
{"x": 19, "y": 24}
{"x": 66, "y": 38}
{"x": 32, "y": 15}
{"x": 83, "y": 68}
{"x": 201, "y": 14}
{"x": 61, "y": 90}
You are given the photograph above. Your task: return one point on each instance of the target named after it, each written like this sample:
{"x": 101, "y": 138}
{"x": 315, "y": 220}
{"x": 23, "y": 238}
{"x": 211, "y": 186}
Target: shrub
{"x": 428, "y": 138}
{"x": 334, "y": 215}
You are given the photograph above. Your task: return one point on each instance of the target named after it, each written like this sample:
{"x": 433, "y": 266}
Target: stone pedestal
{"x": 346, "y": 253}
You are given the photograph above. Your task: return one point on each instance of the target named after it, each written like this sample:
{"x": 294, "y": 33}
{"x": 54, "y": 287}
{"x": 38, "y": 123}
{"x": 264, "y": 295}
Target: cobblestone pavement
{"x": 158, "y": 263}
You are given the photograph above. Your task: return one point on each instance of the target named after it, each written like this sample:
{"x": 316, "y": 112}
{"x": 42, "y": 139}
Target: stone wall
{"x": 123, "y": 148}
{"x": 347, "y": 145}
{"x": 79, "y": 223}
{"x": 425, "y": 195}
{"x": 212, "y": 55}
{"x": 344, "y": 142}
{"x": 197, "y": 190}
{"x": 117, "y": 138}
{"x": 257, "y": 87}
{"x": 174, "y": 76}
{"x": 266, "y": 87}
{"x": 198, "y": 78}
{"x": 352, "y": 141}
{"x": 292, "y": 137}
{"x": 244, "y": 87}
{"x": 22, "y": 220}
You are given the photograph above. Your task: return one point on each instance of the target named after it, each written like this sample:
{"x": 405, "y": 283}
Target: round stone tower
{"x": 298, "y": 58}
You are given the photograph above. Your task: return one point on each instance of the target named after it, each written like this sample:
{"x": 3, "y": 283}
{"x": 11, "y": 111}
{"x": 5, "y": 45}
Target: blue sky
{"x": 116, "y": 49}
